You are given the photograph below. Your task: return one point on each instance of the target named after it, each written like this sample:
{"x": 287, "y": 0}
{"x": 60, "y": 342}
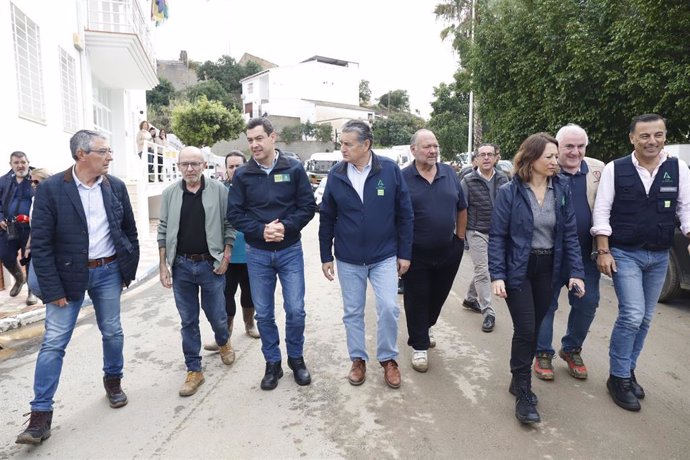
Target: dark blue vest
{"x": 639, "y": 220}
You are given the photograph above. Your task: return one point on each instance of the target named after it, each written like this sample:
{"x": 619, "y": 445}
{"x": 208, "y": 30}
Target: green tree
{"x": 536, "y": 66}
{"x": 397, "y": 129}
{"x": 397, "y": 100}
{"x": 161, "y": 94}
{"x": 290, "y": 134}
{"x": 323, "y": 132}
{"x": 205, "y": 122}
{"x": 227, "y": 72}
{"x": 364, "y": 92}
{"x": 449, "y": 118}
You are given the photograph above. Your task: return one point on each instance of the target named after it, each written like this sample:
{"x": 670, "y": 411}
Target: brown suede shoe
{"x": 192, "y": 383}
{"x": 391, "y": 373}
{"x": 227, "y": 354}
{"x": 358, "y": 372}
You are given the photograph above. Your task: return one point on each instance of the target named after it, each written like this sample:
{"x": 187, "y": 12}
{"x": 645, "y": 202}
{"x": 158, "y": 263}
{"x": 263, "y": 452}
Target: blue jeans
{"x": 353, "y": 286}
{"x": 582, "y": 311}
{"x": 104, "y": 288}
{"x": 288, "y": 265}
{"x": 188, "y": 279}
{"x": 638, "y": 281}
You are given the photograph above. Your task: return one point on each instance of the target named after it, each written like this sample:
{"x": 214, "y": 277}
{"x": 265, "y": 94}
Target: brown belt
{"x": 197, "y": 257}
{"x": 95, "y": 263}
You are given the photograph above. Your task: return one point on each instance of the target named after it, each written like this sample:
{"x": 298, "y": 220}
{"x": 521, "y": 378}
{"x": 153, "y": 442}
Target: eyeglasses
{"x": 233, "y": 166}
{"x": 35, "y": 181}
{"x": 102, "y": 151}
{"x": 485, "y": 155}
{"x": 189, "y": 164}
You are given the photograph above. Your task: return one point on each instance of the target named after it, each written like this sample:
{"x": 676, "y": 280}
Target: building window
{"x": 68, "y": 79}
{"x": 102, "y": 112}
{"x": 27, "y": 57}
{"x": 250, "y": 88}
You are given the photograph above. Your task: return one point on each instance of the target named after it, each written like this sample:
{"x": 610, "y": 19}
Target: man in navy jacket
{"x": 270, "y": 201}
{"x": 84, "y": 239}
{"x": 366, "y": 209}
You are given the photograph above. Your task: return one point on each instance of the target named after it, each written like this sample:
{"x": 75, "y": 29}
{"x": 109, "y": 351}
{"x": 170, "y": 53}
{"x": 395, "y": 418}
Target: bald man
{"x": 196, "y": 240}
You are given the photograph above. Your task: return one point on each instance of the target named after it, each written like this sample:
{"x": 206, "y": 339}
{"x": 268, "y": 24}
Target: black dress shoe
{"x": 299, "y": 370}
{"x": 637, "y": 389}
{"x": 622, "y": 394}
{"x": 273, "y": 373}
{"x": 472, "y": 305}
{"x": 113, "y": 390}
{"x": 489, "y": 323}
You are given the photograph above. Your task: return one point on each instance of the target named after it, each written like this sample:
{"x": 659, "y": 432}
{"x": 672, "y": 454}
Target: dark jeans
{"x": 528, "y": 305}
{"x": 427, "y": 284}
{"x": 237, "y": 275}
{"x": 9, "y": 250}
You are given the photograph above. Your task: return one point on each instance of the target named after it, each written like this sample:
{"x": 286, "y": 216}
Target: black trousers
{"x": 528, "y": 306}
{"x": 235, "y": 275}
{"x": 427, "y": 284}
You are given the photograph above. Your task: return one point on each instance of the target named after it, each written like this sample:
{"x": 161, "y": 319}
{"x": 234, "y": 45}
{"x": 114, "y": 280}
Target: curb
{"x": 24, "y": 319}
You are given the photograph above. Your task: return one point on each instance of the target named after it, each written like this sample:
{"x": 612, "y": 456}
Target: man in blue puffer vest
{"x": 83, "y": 239}
{"x": 367, "y": 209}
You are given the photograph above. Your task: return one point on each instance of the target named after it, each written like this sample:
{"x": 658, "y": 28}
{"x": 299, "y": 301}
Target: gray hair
{"x": 362, "y": 130}
{"x": 82, "y": 140}
{"x": 18, "y": 154}
{"x": 571, "y": 128}
{"x": 413, "y": 139}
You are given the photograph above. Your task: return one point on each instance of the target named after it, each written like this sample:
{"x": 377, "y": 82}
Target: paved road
{"x": 459, "y": 409}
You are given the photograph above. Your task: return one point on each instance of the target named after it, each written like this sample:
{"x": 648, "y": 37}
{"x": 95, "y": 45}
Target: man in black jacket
{"x": 270, "y": 201}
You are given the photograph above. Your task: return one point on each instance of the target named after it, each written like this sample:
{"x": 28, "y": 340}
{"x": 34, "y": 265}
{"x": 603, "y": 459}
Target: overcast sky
{"x": 396, "y": 43}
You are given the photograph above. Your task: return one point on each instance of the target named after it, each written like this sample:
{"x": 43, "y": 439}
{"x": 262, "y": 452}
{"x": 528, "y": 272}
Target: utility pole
{"x": 470, "y": 123}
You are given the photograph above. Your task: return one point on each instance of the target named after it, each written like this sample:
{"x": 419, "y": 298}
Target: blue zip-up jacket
{"x": 256, "y": 199}
{"x": 512, "y": 227}
{"x": 369, "y": 232}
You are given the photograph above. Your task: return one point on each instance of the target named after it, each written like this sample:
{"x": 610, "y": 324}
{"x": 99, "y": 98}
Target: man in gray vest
{"x": 634, "y": 215}
{"x": 480, "y": 188}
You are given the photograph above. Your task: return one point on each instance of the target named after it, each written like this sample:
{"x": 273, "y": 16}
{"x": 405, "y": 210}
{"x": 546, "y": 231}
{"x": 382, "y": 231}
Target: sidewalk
{"x": 14, "y": 313}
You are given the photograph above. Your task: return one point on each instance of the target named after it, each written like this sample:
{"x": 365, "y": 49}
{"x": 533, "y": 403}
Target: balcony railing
{"x": 121, "y": 16}
{"x": 160, "y": 163}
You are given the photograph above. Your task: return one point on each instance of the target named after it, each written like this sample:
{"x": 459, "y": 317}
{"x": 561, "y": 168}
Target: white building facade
{"x": 76, "y": 64}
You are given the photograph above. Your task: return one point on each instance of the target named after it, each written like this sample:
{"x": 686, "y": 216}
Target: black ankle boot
{"x": 299, "y": 370}
{"x": 513, "y": 390}
{"x": 622, "y": 393}
{"x": 273, "y": 372}
{"x": 637, "y": 389}
{"x": 113, "y": 391}
{"x": 525, "y": 405}
{"x": 38, "y": 429}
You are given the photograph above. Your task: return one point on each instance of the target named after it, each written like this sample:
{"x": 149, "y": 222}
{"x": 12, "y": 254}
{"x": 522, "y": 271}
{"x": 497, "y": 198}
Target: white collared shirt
{"x": 606, "y": 193}
{"x": 100, "y": 241}
{"x": 268, "y": 169}
{"x": 358, "y": 178}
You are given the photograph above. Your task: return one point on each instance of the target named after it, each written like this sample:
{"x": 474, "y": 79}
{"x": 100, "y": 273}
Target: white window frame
{"x": 250, "y": 88}
{"x": 28, "y": 65}
{"x": 102, "y": 112}
{"x": 68, "y": 80}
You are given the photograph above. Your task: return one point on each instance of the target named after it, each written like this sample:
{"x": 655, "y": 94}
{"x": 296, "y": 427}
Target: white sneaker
{"x": 432, "y": 339}
{"x": 420, "y": 361}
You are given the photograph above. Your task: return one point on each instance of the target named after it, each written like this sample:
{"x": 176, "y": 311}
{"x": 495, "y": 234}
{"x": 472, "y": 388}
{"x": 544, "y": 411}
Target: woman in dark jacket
{"x": 532, "y": 235}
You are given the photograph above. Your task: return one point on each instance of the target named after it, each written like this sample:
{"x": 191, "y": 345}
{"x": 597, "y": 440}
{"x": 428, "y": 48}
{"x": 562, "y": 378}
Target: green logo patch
{"x": 281, "y": 178}
{"x": 380, "y": 188}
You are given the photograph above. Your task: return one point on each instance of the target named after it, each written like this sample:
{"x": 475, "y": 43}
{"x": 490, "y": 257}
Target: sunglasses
{"x": 35, "y": 181}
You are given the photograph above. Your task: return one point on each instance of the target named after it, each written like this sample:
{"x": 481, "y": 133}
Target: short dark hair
{"x": 529, "y": 152}
{"x": 645, "y": 118}
{"x": 18, "y": 154}
{"x": 235, "y": 153}
{"x": 261, "y": 121}
{"x": 361, "y": 128}
{"x": 82, "y": 140}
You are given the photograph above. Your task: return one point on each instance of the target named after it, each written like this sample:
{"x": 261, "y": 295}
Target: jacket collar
{"x": 341, "y": 168}
{"x": 282, "y": 164}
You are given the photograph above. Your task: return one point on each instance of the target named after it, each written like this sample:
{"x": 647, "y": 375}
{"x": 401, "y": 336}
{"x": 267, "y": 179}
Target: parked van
{"x": 318, "y": 165}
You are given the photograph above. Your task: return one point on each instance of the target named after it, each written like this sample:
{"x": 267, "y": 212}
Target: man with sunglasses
{"x": 196, "y": 240}
{"x": 84, "y": 239}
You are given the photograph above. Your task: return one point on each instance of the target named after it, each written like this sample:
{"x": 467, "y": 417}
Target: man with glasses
{"x": 584, "y": 174}
{"x": 480, "y": 187}
{"x": 15, "y": 201}
{"x": 270, "y": 201}
{"x": 84, "y": 239}
{"x": 195, "y": 239}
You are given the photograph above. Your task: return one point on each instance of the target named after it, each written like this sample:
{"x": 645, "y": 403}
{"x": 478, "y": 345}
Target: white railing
{"x": 159, "y": 163}
{"x": 121, "y": 16}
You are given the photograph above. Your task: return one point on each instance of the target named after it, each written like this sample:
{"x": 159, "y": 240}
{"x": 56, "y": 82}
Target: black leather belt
{"x": 542, "y": 252}
{"x": 95, "y": 263}
{"x": 197, "y": 257}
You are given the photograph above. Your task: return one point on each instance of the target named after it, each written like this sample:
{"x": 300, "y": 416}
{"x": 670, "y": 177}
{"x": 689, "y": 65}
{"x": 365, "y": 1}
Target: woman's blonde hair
{"x": 40, "y": 173}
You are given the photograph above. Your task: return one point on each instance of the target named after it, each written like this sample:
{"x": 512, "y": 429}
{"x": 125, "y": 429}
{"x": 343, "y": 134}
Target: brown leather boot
{"x": 249, "y": 326}
{"x": 38, "y": 429}
{"x": 227, "y": 354}
{"x": 213, "y": 346}
{"x": 192, "y": 383}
